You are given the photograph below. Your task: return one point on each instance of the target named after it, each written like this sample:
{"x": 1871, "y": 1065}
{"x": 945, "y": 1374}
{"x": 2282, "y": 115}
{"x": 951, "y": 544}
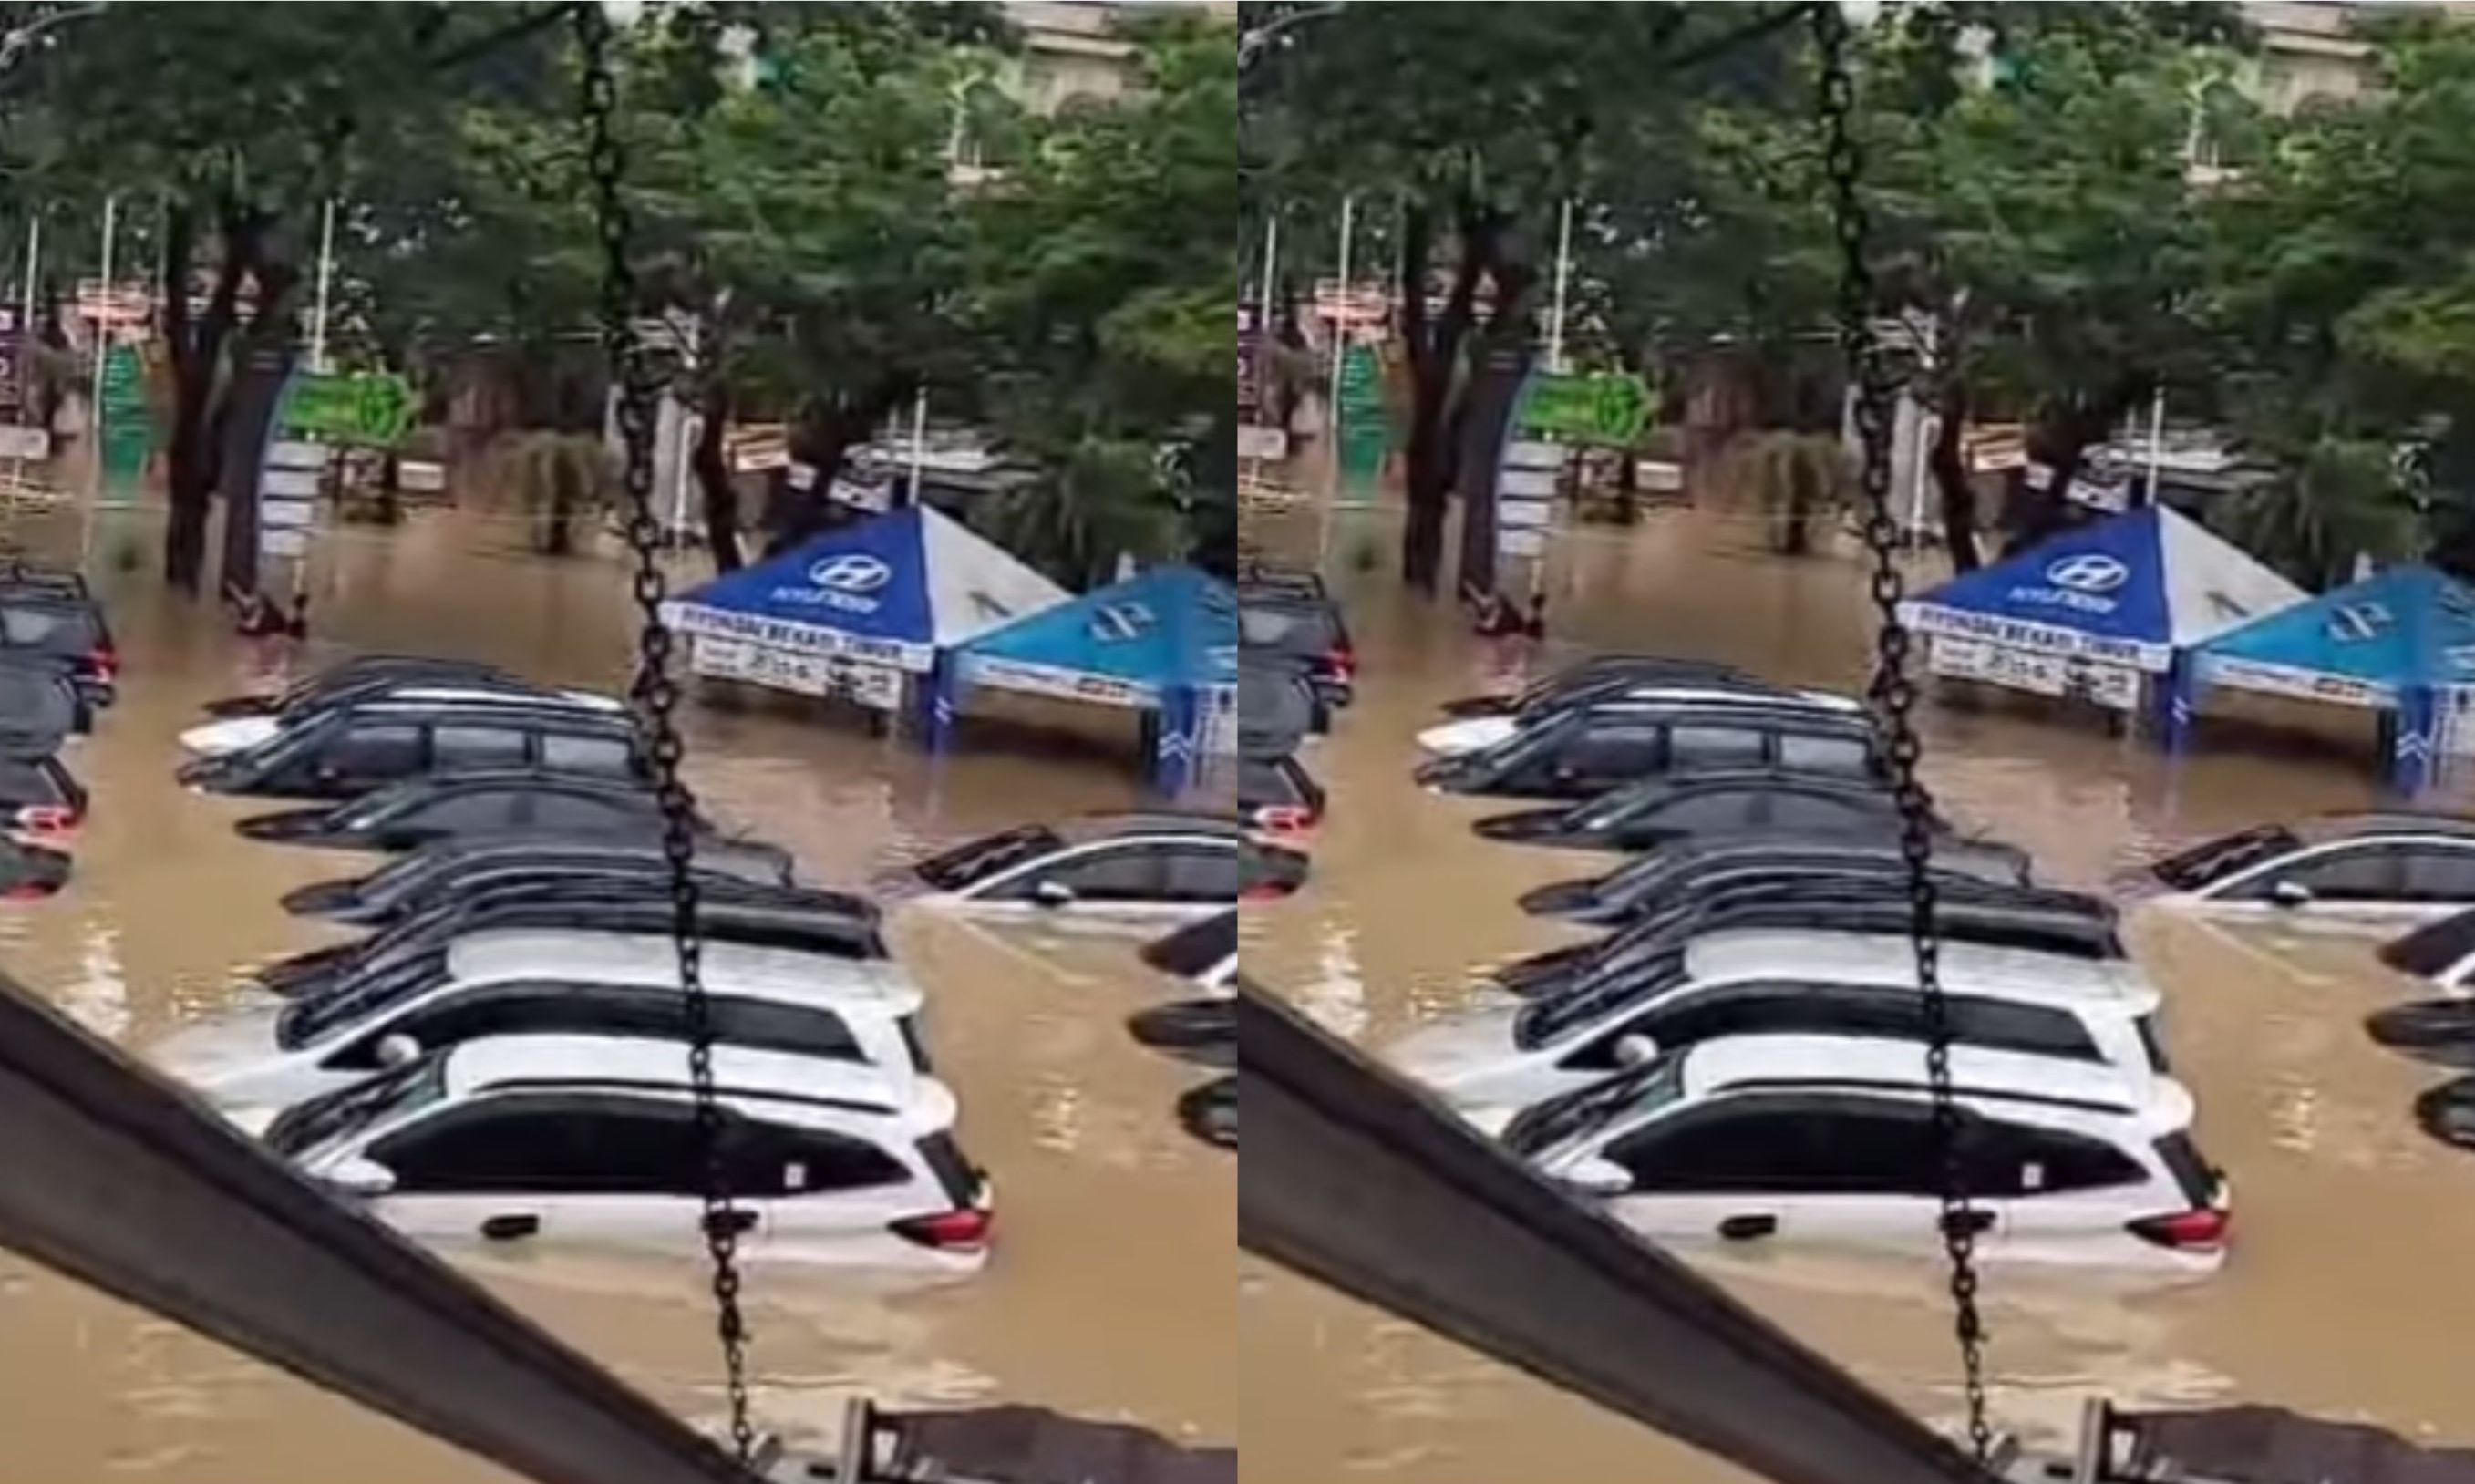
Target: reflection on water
{"x": 2349, "y": 1224}
{"x": 1108, "y": 1292}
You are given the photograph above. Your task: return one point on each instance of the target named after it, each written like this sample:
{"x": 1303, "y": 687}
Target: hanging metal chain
{"x": 654, "y": 696}
{"x": 1892, "y": 694}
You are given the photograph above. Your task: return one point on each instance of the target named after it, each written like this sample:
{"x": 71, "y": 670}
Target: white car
{"x": 239, "y": 734}
{"x": 1495, "y": 1060}
{"x": 559, "y": 1138}
{"x": 1762, "y": 1139}
{"x": 2360, "y": 871}
{"x": 1476, "y": 733}
{"x": 531, "y": 980}
{"x": 1124, "y": 870}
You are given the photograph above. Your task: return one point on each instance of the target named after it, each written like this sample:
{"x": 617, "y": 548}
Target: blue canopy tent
{"x": 2100, "y": 613}
{"x": 2401, "y": 641}
{"x": 1164, "y": 640}
{"x": 854, "y": 612}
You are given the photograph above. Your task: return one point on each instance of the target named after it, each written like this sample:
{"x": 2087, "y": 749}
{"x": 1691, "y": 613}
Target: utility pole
{"x": 326, "y": 276}
{"x": 1564, "y": 276}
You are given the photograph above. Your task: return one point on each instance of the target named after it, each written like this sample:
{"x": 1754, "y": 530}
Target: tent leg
{"x": 2177, "y": 702}
{"x": 2411, "y": 738}
{"x": 934, "y": 694}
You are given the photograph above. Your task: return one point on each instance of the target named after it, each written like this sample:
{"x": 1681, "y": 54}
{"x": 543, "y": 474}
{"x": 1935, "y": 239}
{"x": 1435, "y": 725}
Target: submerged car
{"x": 547, "y": 981}
{"x": 230, "y": 735}
{"x": 1600, "y": 669}
{"x": 1682, "y": 868}
{"x": 411, "y": 814}
{"x": 1679, "y": 806}
{"x": 1110, "y": 867}
{"x": 448, "y": 869}
{"x": 52, "y": 617}
{"x": 2340, "y": 870}
{"x": 1592, "y": 749}
{"x": 1288, "y": 623}
{"x": 1830, "y": 1139}
{"x": 596, "y": 1139}
{"x": 834, "y": 924}
{"x": 1277, "y": 795}
{"x": 40, "y": 798}
{"x": 346, "y": 752}
{"x": 2036, "y": 919}
{"x": 30, "y": 873}
{"x": 1790, "y": 982}
{"x": 1470, "y": 735}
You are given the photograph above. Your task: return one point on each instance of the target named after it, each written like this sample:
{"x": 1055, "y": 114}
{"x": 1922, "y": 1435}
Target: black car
{"x": 30, "y": 873}
{"x": 348, "y": 751}
{"x": 52, "y": 617}
{"x": 1590, "y": 749}
{"x": 39, "y": 796}
{"x": 1278, "y": 707}
{"x": 1597, "y": 673}
{"x": 1686, "y": 868}
{"x": 1278, "y": 796}
{"x": 1693, "y": 804}
{"x": 411, "y": 814}
{"x": 1209, "y": 1112}
{"x": 833, "y": 924}
{"x": 1282, "y": 624}
{"x": 451, "y": 870}
{"x": 40, "y": 703}
{"x": 2070, "y": 924}
{"x": 362, "y": 675}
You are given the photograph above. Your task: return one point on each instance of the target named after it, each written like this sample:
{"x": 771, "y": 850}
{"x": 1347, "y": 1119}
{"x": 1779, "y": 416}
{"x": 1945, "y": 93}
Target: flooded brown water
{"x": 1109, "y": 1292}
{"x": 2339, "y": 1297}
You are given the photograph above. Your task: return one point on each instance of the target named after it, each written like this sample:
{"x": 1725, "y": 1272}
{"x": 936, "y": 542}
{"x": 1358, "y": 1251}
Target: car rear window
{"x": 35, "y": 781}
{"x": 49, "y": 626}
{"x": 2193, "y": 1173}
{"x": 981, "y": 859}
{"x": 960, "y": 1179}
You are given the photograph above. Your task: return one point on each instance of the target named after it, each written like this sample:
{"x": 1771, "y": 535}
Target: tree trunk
{"x": 2059, "y": 441}
{"x": 713, "y": 477}
{"x": 1948, "y": 459}
{"x": 1434, "y": 354}
{"x": 197, "y": 361}
{"x": 1628, "y": 486}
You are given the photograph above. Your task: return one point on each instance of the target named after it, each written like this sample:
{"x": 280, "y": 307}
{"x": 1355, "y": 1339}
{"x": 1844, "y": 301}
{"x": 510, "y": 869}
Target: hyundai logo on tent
{"x": 845, "y": 581}
{"x": 2091, "y": 572}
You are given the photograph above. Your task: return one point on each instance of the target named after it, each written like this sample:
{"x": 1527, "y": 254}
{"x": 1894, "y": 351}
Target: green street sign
{"x": 372, "y": 409}
{"x": 1609, "y": 410}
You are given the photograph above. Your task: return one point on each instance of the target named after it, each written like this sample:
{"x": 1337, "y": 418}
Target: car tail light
{"x": 29, "y": 891}
{"x": 1344, "y": 662}
{"x": 46, "y": 818}
{"x": 106, "y": 661}
{"x": 1284, "y": 818}
{"x": 2201, "y": 1231}
{"x": 964, "y": 1230}
{"x": 1266, "y": 892}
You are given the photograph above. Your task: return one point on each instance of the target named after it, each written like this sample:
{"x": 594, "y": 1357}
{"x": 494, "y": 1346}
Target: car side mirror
{"x": 2289, "y": 893}
{"x": 398, "y": 1049}
{"x": 1595, "y": 1176}
{"x": 1053, "y": 893}
{"x": 359, "y": 1177}
{"x": 1635, "y": 1049}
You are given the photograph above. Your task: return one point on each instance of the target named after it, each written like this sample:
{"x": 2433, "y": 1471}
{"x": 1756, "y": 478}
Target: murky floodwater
{"x": 1110, "y": 1290}
{"x": 2341, "y": 1295}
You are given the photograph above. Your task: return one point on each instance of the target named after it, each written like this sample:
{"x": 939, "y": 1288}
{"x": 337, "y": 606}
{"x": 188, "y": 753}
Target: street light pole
{"x": 325, "y": 276}
{"x": 1563, "y": 275}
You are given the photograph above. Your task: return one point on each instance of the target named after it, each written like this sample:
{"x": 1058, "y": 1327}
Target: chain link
{"x": 654, "y": 696}
{"x": 1892, "y": 694}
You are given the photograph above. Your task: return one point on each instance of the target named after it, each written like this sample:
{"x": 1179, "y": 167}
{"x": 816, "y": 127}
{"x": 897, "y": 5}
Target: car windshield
{"x": 305, "y": 1022}
{"x": 331, "y": 1116}
{"x": 1550, "y": 1020}
{"x": 2221, "y": 858}
{"x": 1558, "y": 1121}
{"x": 982, "y": 858}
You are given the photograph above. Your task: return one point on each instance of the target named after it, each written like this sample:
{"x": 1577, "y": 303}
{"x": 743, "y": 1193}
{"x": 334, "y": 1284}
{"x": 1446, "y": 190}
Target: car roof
{"x": 652, "y": 959}
{"x": 776, "y": 1086}
{"x": 475, "y": 778}
{"x": 1088, "y": 828}
{"x": 1768, "y": 777}
{"x": 1889, "y": 961}
{"x": 419, "y": 691}
{"x": 1723, "y": 848}
{"x": 456, "y": 851}
{"x": 1990, "y": 1080}
{"x": 600, "y": 711}
{"x": 1701, "y": 703}
{"x": 2324, "y": 828}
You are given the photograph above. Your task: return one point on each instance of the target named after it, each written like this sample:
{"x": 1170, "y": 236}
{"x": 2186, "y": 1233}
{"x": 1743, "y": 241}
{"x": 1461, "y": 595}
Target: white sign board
{"x": 1521, "y": 515}
{"x": 2112, "y": 686}
{"x": 32, "y": 443}
{"x": 289, "y": 484}
{"x": 286, "y": 515}
{"x": 1528, "y": 484}
{"x": 294, "y": 542}
{"x": 420, "y": 477}
{"x": 874, "y": 686}
{"x": 1262, "y": 443}
{"x": 1532, "y": 541}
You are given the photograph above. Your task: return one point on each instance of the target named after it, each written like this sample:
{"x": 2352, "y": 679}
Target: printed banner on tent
{"x": 1062, "y": 684}
{"x": 2301, "y": 685}
{"x": 876, "y": 686}
{"x": 2045, "y": 638}
{"x": 2112, "y": 686}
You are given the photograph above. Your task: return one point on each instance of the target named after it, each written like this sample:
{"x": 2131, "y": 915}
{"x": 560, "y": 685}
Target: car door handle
{"x": 1975, "y": 1223}
{"x": 510, "y": 1227}
{"x": 738, "y": 1223}
{"x": 1748, "y": 1228}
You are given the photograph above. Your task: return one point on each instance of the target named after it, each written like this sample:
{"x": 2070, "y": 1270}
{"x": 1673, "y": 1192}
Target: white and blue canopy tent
{"x": 857, "y": 612}
{"x": 2104, "y": 612}
{"x": 2400, "y": 641}
{"x": 1163, "y": 641}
